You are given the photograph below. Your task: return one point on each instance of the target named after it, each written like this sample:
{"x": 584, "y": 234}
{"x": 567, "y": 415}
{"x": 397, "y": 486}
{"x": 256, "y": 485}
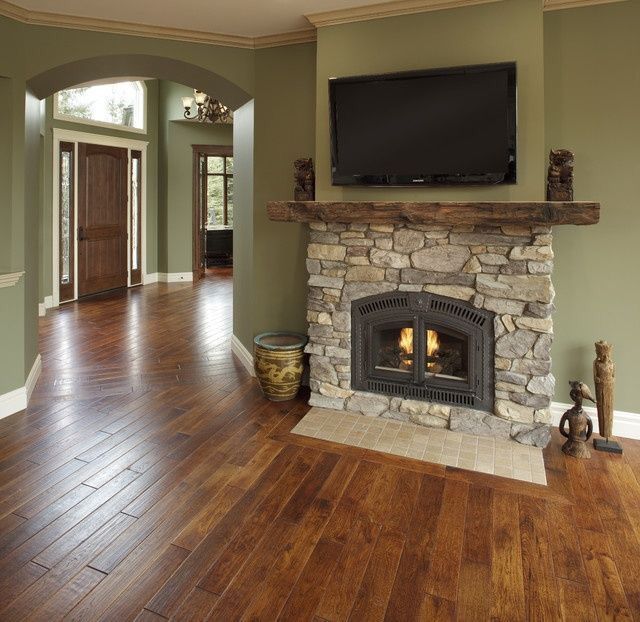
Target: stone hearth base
{"x": 505, "y": 270}
{"x": 474, "y": 453}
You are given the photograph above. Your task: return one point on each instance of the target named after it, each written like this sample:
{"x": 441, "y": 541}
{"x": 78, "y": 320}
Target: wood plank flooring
{"x": 150, "y": 480}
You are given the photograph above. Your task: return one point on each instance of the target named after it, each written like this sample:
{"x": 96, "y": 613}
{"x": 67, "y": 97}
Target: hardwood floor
{"x": 150, "y": 480}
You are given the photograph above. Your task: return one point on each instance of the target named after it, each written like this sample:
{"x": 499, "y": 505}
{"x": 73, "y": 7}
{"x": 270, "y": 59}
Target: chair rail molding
{"x": 9, "y": 279}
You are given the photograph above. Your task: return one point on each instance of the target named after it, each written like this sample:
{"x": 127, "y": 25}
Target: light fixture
{"x": 209, "y": 110}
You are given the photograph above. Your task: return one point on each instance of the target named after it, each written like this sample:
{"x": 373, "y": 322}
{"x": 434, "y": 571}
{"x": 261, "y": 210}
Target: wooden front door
{"x": 102, "y": 218}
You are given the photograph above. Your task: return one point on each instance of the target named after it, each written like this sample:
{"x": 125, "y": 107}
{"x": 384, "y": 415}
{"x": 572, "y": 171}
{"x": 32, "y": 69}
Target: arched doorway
{"x": 102, "y": 68}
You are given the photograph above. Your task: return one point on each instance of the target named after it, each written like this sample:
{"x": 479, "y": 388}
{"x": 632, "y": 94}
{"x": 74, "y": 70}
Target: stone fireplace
{"x": 484, "y": 293}
{"x": 438, "y": 314}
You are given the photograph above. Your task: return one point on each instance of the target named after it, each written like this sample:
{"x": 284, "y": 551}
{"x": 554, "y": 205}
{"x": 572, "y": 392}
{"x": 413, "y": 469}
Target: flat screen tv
{"x": 438, "y": 126}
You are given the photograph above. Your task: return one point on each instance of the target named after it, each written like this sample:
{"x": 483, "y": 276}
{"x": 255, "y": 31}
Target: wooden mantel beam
{"x": 442, "y": 213}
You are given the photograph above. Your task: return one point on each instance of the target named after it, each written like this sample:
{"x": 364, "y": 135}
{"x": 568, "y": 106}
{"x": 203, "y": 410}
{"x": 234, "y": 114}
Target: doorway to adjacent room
{"x": 212, "y": 207}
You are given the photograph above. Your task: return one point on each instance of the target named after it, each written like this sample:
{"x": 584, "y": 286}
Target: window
{"x": 120, "y": 104}
{"x": 217, "y": 179}
{"x": 136, "y": 213}
{"x": 67, "y": 217}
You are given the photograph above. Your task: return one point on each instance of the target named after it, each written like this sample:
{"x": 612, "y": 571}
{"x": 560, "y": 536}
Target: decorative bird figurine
{"x": 580, "y": 391}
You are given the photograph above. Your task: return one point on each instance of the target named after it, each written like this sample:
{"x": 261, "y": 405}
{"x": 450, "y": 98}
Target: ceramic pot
{"x": 278, "y": 361}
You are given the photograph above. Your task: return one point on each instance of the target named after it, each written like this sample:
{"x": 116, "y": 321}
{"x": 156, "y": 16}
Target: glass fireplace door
{"x": 446, "y": 354}
{"x": 395, "y": 351}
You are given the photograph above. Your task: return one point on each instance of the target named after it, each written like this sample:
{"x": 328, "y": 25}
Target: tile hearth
{"x": 484, "y": 454}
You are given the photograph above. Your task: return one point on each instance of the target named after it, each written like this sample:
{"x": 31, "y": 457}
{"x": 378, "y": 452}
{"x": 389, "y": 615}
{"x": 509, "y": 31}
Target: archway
{"x": 46, "y": 83}
{"x": 112, "y": 66}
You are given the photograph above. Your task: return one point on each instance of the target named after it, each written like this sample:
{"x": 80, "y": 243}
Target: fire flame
{"x": 405, "y": 342}
{"x": 433, "y": 343}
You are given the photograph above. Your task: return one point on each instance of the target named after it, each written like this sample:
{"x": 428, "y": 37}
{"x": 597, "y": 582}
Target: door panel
{"x": 102, "y": 218}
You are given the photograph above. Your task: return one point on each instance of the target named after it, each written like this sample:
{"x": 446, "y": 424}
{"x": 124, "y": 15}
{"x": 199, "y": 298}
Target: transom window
{"x": 120, "y": 104}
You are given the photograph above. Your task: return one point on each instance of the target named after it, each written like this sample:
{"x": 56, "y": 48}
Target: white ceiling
{"x": 248, "y": 18}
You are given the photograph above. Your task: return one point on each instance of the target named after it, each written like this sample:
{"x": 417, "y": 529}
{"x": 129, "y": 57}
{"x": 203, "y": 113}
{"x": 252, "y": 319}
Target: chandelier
{"x": 209, "y": 110}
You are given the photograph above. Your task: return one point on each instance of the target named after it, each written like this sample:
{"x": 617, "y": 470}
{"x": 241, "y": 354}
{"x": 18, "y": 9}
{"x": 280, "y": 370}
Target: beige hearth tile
{"x": 476, "y": 453}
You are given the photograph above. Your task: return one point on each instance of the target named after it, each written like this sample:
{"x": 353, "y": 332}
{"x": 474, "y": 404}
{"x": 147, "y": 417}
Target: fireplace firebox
{"x": 423, "y": 346}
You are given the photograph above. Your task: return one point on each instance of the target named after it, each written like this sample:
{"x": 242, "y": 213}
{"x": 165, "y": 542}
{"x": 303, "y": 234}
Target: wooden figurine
{"x": 560, "y": 175}
{"x": 604, "y": 372}
{"x": 305, "y": 179}
{"x": 580, "y": 425}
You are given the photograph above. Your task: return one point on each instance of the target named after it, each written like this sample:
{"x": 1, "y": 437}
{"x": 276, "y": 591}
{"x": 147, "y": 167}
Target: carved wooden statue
{"x": 305, "y": 178}
{"x": 580, "y": 426}
{"x": 560, "y": 175}
{"x": 604, "y": 372}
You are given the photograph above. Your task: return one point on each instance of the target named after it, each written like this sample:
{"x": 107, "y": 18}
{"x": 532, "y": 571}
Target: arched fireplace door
{"x": 422, "y": 346}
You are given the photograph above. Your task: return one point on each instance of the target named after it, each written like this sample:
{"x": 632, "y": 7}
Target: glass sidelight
{"x": 135, "y": 235}
{"x": 66, "y": 221}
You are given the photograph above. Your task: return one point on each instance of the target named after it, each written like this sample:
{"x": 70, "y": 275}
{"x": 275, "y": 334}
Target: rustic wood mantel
{"x": 442, "y": 213}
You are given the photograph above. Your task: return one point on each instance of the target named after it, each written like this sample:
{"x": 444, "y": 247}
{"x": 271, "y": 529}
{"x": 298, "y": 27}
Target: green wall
{"x": 592, "y": 87}
{"x": 244, "y": 303}
{"x": 284, "y": 131}
{"x": 177, "y": 135}
{"x": 22, "y": 58}
{"x": 269, "y": 134}
{"x": 500, "y": 31}
{"x": 579, "y": 87}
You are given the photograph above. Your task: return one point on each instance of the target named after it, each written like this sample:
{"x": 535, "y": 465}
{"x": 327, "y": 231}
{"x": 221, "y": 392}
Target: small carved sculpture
{"x": 560, "y": 175}
{"x": 604, "y": 372}
{"x": 580, "y": 425}
{"x": 305, "y": 179}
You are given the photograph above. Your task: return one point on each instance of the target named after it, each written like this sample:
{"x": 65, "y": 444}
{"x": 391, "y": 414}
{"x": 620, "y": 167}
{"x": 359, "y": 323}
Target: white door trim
{"x": 74, "y": 136}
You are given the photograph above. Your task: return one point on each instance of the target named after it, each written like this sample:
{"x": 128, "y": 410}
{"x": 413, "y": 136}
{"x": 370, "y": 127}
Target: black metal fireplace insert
{"x": 424, "y": 347}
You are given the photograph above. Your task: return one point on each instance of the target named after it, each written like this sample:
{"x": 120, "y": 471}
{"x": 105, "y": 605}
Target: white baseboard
{"x": 625, "y": 424}
{"x": 47, "y": 303}
{"x": 168, "y": 277}
{"x": 175, "y": 277}
{"x": 17, "y": 400}
{"x": 245, "y": 357}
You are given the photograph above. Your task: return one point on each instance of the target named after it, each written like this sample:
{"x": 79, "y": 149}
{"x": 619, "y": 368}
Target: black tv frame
{"x": 434, "y": 179}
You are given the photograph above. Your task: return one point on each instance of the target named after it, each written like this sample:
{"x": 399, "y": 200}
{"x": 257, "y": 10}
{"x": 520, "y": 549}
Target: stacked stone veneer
{"x": 505, "y": 270}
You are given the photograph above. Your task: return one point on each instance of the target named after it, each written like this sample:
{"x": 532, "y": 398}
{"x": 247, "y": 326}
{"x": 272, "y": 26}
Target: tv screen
{"x": 442, "y": 126}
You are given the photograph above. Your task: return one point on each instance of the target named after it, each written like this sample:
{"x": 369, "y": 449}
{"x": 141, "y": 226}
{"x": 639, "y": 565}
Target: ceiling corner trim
{"x": 307, "y": 35}
{"x": 37, "y": 18}
{"x": 393, "y": 8}
{"x": 387, "y": 9}
{"x": 557, "y": 5}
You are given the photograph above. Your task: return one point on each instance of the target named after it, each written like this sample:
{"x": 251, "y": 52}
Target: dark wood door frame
{"x": 199, "y": 214}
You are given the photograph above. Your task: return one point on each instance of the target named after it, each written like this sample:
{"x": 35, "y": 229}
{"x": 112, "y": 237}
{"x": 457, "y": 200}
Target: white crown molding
{"x": 393, "y": 8}
{"x": 557, "y": 5}
{"x": 243, "y": 355}
{"x": 387, "y": 9}
{"x": 625, "y": 424}
{"x": 326, "y": 18}
{"x": 17, "y": 400}
{"x": 57, "y": 20}
{"x": 9, "y": 279}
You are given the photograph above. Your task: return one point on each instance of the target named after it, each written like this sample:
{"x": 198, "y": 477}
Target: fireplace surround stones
{"x": 494, "y": 255}
{"x": 503, "y": 272}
